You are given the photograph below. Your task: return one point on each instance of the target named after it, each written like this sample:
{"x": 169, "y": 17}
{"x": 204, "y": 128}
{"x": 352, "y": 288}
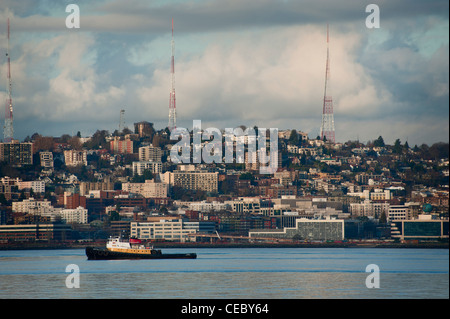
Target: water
{"x": 252, "y": 273}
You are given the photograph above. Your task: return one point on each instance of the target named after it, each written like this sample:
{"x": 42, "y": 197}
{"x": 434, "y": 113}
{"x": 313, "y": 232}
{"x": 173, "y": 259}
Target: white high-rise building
{"x": 77, "y": 215}
{"x": 140, "y": 167}
{"x": 150, "y": 153}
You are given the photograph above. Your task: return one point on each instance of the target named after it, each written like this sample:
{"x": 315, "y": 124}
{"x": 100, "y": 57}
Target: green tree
{"x": 114, "y": 216}
{"x": 293, "y": 138}
{"x": 406, "y": 146}
{"x": 126, "y": 131}
{"x": 98, "y": 140}
{"x": 439, "y": 150}
{"x": 379, "y": 142}
{"x": 146, "y": 175}
{"x": 247, "y": 176}
{"x": 397, "y": 149}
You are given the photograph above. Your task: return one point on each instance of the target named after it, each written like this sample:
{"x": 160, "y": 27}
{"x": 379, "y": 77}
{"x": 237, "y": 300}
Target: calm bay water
{"x": 278, "y": 273}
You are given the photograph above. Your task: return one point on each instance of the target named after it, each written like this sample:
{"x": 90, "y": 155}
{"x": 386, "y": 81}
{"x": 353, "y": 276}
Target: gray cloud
{"x": 237, "y": 62}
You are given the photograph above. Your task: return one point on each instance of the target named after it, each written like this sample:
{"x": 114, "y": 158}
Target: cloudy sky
{"x": 252, "y": 62}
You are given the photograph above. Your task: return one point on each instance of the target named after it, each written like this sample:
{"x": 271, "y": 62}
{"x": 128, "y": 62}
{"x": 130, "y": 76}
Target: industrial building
{"x": 419, "y": 229}
{"x": 51, "y": 231}
{"x": 307, "y": 229}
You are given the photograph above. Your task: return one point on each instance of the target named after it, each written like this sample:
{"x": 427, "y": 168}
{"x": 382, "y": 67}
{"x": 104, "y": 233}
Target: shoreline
{"x": 51, "y": 246}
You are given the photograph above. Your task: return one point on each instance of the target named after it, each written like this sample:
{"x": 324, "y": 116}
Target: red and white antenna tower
{"x": 8, "y": 130}
{"x": 327, "y": 127}
{"x": 172, "y": 104}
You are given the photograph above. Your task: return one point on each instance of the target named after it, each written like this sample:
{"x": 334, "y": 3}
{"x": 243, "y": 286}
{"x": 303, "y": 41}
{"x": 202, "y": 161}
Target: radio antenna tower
{"x": 327, "y": 127}
{"x": 8, "y": 130}
{"x": 172, "y": 104}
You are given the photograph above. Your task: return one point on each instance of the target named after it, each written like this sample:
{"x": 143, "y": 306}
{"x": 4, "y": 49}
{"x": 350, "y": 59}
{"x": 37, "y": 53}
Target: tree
{"x": 114, "y": 216}
{"x": 247, "y": 176}
{"x": 397, "y": 149}
{"x": 98, "y": 140}
{"x": 42, "y": 143}
{"x": 75, "y": 143}
{"x": 406, "y": 146}
{"x": 379, "y": 142}
{"x": 146, "y": 175}
{"x": 65, "y": 138}
{"x": 439, "y": 150}
{"x": 293, "y": 138}
{"x": 126, "y": 131}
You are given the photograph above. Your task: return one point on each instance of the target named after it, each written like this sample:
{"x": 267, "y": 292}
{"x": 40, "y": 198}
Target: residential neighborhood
{"x": 74, "y": 188}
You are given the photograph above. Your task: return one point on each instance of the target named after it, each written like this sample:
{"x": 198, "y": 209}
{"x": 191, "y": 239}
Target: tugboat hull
{"x": 103, "y": 254}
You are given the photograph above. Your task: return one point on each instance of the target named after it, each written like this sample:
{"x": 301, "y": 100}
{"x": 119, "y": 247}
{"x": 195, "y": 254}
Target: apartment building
{"x": 149, "y": 189}
{"x": 45, "y": 209}
{"x": 86, "y": 187}
{"x": 31, "y": 205}
{"x": 121, "y": 146}
{"x": 150, "y": 153}
{"x": 36, "y": 186}
{"x": 75, "y": 158}
{"x": 140, "y": 167}
{"x": 8, "y": 183}
{"x": 46, "y": 159}
{"x": 369, "y": 208}
{"x": 16, "y": 153}
{"x": 77, "y": 215}
{"x": 190, "y": 178}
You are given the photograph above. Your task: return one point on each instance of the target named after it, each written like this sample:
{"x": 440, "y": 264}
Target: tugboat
{"x": 118, "y": 248}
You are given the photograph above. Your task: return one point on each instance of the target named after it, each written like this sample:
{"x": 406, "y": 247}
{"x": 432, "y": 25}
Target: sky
{"x": 253, "y": 62}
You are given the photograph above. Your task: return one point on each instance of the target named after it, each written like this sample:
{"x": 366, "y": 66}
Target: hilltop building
{"x": 16, "y": 153}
